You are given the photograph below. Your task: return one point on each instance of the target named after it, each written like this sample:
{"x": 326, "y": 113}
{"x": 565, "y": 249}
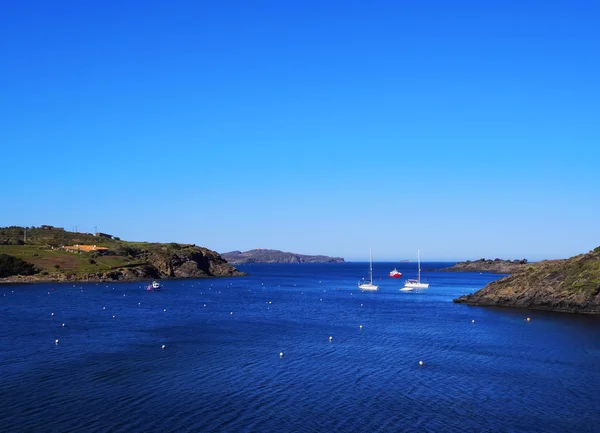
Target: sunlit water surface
{"x": 221, "y": 369}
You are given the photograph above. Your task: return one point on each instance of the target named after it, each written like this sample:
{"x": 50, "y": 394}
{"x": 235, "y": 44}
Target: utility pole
{"x": 25, "y": 235}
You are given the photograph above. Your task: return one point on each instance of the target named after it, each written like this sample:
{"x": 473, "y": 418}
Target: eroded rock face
{"x": 570, "y": 285}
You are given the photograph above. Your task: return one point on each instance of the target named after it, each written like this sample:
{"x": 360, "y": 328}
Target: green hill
{"x": 42, "y": 249}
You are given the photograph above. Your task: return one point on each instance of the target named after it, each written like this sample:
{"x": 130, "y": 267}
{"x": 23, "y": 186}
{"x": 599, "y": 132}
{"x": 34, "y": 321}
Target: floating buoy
{"x": 231, "y": 313}
{"x": 139, "y": 303}
{"x": 473, "y": 321}
{"x": 330, "y": 338}
{"x": 528, "y": 319}
{"x": 361, "y": 305}
{"x": 56, "y": 342}
{"x": 63, "y": 325}
{"x": 360, "y": 326}
{"x": 104, "y": 308}
{"x": 205, "y": 305}
{"x": 52, "y": 314}
{"x": 281, "y": 354}
{"x": 165, "y": 310}
{"x": 421, "y": 363}
{"x": 113, "y": 317}
{"x": 164, "y": 347}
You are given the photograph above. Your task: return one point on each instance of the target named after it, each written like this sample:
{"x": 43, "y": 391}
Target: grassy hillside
{"x": 123, "y": 260}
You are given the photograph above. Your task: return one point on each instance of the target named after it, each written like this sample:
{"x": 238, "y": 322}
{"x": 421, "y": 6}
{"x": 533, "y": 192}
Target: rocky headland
{"x": 570, "y": 285}
{"x": 50, "y": 254}
{"x": 496, "y": 266}
{"x": 275, "y": 256}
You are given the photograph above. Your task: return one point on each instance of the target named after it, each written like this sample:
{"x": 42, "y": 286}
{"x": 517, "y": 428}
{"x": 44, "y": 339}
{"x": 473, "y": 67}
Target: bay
{"x": 221, "y": 368}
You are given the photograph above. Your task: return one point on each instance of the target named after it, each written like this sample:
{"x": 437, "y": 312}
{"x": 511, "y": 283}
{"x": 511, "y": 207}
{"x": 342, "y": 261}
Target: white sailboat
{"x": 369, "y": 285}
{"x": 416, "y": 284}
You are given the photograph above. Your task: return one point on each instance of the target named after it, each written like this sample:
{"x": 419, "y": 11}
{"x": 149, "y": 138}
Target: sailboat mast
{"x": 371, "y": 266}
{"x": 419, "y": 263}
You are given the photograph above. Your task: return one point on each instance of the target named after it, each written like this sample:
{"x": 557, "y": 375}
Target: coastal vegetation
{"x": 35, "y": 254}
{"x": 569, "y": 285}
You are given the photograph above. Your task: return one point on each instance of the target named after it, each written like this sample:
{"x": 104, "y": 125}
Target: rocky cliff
{"x": 496, "y": 266}
{"x": 570, "y": 285}
{"x": 48, "y": 260}
{"x": 275, "y": 256}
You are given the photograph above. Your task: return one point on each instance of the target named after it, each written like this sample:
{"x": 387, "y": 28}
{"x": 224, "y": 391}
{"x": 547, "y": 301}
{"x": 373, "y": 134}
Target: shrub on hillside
{"x": 10, "y": 265}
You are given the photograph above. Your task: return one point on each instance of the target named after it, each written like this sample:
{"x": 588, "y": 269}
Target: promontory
{"x": 496, "y": 266}
{"x": 260, "y": 255}
{"x": 569, "y": 285}
{"x": 47, "y": 253}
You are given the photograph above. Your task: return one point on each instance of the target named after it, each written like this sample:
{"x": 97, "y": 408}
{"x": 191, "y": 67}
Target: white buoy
{"x": 63, "y": 325}
{"x": 421, "y": 363}
{"x": 361, "y": 305}
{"x": 330, "y": 338}
{"x": 103, "y": 308}
{"x": 231, "y": 313}
{"x": 113, "y": 317}
{"x": 164, "y": 347}
{"x": 52, "y": 314}
{"x": 473, "y": 321}
{"x": 281, "y": 354}
{"x": 56, "y": 342}
{"x": 139, "y": 303}
{"x": 360, "y": 326}
{"x": 205, "y": 305}
{"x": 165, "y": 310}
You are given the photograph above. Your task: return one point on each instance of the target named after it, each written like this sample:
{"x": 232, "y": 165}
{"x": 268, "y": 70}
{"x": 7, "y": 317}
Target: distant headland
{"x": 260, "y": 255}
{"x": 47, "y": 253}
{"x": 496, "y": 266}
{"x": 569, "y": 285}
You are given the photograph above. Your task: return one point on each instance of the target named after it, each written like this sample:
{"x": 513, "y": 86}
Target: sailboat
{"x": 369, "y": 285}
{"x": 416, "y": 284}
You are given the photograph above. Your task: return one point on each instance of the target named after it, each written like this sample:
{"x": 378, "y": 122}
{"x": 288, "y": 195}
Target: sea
{"x": 292, "y": 348}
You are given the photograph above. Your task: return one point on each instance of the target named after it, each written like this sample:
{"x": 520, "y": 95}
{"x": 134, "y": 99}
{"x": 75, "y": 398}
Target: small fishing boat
{"x": 395, "y": 273}
{"x": 154, "y": 287}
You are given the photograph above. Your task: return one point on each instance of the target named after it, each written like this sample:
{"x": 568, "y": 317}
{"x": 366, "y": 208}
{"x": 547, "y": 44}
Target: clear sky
{"x": 467, "y": 129}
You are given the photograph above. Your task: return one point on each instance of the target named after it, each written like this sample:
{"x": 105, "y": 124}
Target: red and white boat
{"x": 395, "y": 273}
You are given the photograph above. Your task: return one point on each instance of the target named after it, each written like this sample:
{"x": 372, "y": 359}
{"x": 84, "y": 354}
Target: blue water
{"x": 223, "y": 372}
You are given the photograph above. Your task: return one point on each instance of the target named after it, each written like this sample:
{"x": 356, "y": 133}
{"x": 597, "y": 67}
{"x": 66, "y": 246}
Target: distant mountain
{"x": 275, "y": 256}
{"x": 496, "y": 266}
{"x": 569, "y": 285}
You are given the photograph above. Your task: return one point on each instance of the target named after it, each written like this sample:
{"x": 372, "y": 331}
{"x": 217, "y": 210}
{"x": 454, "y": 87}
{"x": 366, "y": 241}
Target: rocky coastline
{"x": 570, "y": 285}
{"x": 45, "y": 258}
{"x": 496, "y": 266}
{"x": 260, "y": 255}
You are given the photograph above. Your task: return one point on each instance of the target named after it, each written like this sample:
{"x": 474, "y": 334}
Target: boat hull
{"x": 368, "y": 286}
{"x": 417, "y": 285}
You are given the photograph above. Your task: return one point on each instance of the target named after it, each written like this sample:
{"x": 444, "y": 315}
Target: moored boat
{"x": 416, "y": 284}
{"x": 369, "y": 285}
{"x": 154, "y": 287}
{"x": 395, "y": 273}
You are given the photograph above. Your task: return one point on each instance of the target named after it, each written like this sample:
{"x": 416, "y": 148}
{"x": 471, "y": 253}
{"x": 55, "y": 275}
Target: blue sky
{"x": 466, "y": 129}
